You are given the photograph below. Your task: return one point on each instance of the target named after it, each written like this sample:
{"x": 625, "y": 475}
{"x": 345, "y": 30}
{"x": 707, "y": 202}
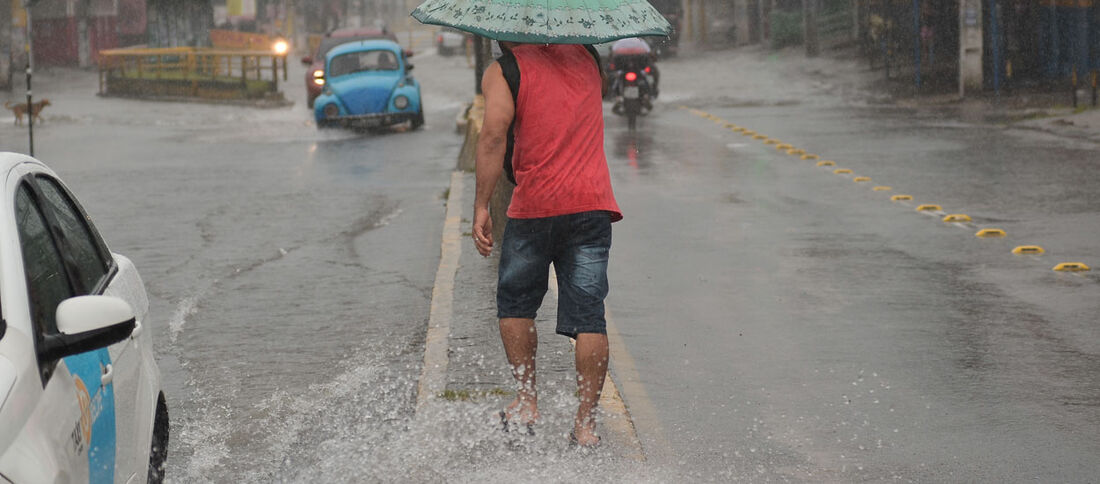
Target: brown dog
{"x": 21, "y": 109}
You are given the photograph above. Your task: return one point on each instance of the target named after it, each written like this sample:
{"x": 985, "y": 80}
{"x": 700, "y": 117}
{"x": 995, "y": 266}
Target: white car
{"x": 80, "y": 395}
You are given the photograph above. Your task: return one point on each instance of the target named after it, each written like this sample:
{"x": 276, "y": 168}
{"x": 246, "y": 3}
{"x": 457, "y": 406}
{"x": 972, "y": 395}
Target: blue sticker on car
{"x": 95, "y": 434}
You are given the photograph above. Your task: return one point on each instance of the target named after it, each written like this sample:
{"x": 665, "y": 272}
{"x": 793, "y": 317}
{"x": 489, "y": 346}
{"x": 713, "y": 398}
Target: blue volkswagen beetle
{"x": 368, "y": 84}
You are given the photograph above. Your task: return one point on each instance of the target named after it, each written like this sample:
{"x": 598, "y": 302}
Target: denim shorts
{"x": 578, "y": 245}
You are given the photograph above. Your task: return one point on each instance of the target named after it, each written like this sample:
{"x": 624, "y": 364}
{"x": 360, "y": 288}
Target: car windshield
{"x": 329, "y": 42}
{"x": 365, "y": 60}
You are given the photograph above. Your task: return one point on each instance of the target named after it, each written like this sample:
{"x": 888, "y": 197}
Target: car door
{"x": 87, "y": 449}
{"x": 96, "y": 273}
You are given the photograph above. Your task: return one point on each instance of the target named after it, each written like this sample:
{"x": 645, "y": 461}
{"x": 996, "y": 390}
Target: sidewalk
{"x": 743, "y": 76}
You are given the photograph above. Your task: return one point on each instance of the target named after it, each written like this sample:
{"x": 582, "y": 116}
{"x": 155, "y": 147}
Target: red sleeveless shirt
{"x": 559, "y": 160}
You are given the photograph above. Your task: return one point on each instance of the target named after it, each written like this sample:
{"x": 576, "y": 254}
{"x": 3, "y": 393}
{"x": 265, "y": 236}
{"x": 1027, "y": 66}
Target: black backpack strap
{"x": 510, "y": 68}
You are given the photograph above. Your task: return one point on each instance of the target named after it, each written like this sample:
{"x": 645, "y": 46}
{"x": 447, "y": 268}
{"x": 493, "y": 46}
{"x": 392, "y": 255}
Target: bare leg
{"x": 520, "y": 344}
{"x": 591, "y": 370}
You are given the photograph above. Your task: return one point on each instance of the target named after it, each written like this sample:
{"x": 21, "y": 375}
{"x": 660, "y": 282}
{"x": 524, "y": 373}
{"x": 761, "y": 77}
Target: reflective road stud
{"x": 986, "y": 233}
{"x": 861, "y": 179}
{"x": 796, "y": 151}
{"x": 842, "y": 171}
{"x": 898, "y": 198}
{"x": 1071, "y": 267}
{"x": 748, "y": 132}
{"x": 783, "y": 146}
{"x": 957, "y": 217}
{"x": 929, "y": 208}
{"x": 759, "y": 136}
{"x": 772, "y": 141}
{"x": 810, "y": 157}
{"x": 882, "y": 188}
{"x": 826, "y": 163}
{"x": 1028, "y": 250}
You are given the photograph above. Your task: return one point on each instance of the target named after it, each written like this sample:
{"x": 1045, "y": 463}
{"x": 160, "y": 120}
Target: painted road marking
{"x": 951, "y": 218}
{"x": 433, "y": 376}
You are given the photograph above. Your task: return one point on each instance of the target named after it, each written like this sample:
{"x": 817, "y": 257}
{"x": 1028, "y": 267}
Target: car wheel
{"x": 158, "y": 451}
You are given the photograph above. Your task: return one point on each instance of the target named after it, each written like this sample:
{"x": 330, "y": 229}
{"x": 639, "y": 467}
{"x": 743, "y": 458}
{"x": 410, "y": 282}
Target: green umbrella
{"x": 547, "y": 21}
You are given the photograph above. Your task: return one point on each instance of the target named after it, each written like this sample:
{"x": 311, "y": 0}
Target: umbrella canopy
{"x": 547, "y": 21}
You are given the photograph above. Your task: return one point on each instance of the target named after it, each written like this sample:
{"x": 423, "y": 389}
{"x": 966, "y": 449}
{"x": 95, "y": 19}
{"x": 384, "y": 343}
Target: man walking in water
{"x": 548, "y": 99}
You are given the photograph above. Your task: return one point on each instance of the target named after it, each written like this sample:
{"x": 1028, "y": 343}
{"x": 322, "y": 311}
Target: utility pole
{"x": 30, "y": 70}
{"x": 809, "y": 28}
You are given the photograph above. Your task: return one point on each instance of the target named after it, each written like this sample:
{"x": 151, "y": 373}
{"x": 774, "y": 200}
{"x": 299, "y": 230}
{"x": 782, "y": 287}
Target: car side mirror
{"x": 409, "y": 53}
{"x": 307, "y": 60}
{"x": 86, "y": 323}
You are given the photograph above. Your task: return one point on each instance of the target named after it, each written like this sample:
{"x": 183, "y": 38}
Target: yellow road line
{"x": 433, "y": 376}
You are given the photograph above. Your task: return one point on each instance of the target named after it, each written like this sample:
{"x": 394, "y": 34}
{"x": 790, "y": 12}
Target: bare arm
{"x": 491, "y": 146}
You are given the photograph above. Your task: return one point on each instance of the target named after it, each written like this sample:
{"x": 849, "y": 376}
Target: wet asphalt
{"x": 784, "y": 323}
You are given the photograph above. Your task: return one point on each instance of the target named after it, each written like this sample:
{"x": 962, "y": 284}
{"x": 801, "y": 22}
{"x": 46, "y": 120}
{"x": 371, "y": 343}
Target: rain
{"x": 822, "y": 273}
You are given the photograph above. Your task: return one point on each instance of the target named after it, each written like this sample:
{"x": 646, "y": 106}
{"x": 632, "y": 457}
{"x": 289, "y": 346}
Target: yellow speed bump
{"x": 1071, "y": 267}
{"x": 771, "y": 141}
{"x": 898, "y": 198}
{"x": 796, "y": 151}
{"x": 1028, "y": 250}
{"x": 739, "y": 129}
{"x": 861, "y": 179}
{"x": 759, "y": 136}
{"x": 929, "y": 208}
{"x": 842, "y": 171}
{"x": 957, "y": 217}
{"x": 748, "y": 132}
{"x": 826, "y": 163}
{"x": 882, "y": 188}
{"x": 810, "y": 157}
{"x": 987, "y": 233}
{"x": 783, "y": 146}
{"x": 730, "y": 126}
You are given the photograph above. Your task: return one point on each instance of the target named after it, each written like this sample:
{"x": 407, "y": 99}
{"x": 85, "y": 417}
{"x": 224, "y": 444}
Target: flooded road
{"x": 782, "y": 322}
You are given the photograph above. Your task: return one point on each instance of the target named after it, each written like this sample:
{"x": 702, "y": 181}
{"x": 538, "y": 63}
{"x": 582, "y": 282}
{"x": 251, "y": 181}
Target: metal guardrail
{"x": 191, "y": 72}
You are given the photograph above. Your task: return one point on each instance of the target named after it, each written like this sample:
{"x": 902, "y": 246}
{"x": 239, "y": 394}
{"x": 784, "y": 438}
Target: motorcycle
{"x": 633, "y": 94}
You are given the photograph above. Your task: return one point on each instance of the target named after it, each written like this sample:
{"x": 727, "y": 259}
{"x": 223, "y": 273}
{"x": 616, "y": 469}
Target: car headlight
{"x": 319, "y": 77}
{"x": 401, "y": 102}
{"x": 331, "y": 110}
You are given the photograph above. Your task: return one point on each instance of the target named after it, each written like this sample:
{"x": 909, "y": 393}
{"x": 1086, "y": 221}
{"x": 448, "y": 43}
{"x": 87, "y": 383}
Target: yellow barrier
{"x": 191, "y": 72}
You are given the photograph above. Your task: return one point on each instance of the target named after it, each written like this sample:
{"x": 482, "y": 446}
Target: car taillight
{"x": 631, "y": 76}
{"x": 439, "y": 39}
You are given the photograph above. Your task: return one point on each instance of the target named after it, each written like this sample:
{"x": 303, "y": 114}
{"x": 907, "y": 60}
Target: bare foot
{"x": 522, "y": 411}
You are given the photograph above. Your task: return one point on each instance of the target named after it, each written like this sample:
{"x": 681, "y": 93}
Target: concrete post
{"x": 970, "y": 46}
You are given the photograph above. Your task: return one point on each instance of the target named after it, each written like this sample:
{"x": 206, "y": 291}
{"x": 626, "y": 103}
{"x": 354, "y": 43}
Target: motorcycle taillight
{"x": 631, "y": 76}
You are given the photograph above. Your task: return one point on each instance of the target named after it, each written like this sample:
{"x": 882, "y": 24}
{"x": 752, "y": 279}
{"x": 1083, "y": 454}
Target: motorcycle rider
{"x": 634, "y": 54}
